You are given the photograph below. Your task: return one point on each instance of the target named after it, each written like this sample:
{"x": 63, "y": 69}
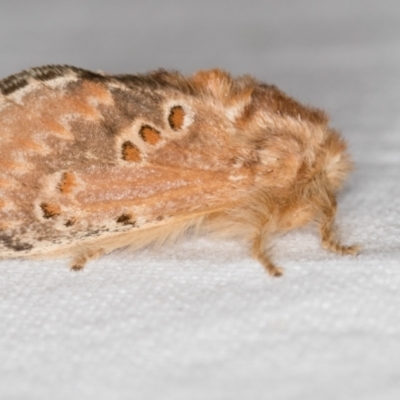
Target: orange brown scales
{"x": 67, "y": 183}
{"x": 176, "y": 117}
{"x": 149, "y": 134}
{"x": 92, "y": 162}
{"x": 130, "y": 152}
{"x": 126, "y": 219}
{"x": 50, "y": 210}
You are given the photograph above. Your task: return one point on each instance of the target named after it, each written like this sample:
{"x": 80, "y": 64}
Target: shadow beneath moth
{"x": 91, "y": 162}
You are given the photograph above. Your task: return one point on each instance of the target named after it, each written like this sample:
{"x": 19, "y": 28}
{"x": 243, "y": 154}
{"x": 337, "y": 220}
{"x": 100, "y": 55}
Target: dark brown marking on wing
{"x": 159, "y": 79}
{"x": 126, "y": 219}
{"x": 70, "y": 222}
{"x": 12, "y": 84}
{"x": 46, "y": 73}
{"x": 49, "y": 72}
{"x": 14, "y": 244}
{"x": 50, "y": 210}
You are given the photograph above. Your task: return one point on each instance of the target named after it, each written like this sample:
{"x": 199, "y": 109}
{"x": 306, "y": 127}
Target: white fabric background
{"x": 201, "y": 319}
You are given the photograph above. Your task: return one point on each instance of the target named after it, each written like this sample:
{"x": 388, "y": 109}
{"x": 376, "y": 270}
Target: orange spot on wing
{"x": 130, "y": 152}
{"x": 149, "y": 134}
{"x": 176, "y": 117}
{"x": 67, "y": 182}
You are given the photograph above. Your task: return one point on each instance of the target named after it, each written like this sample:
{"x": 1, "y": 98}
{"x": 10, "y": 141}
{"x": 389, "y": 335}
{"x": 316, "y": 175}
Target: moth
{"x": 91, "y": 162}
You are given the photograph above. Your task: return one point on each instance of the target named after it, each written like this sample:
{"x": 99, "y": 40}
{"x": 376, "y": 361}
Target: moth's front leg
{"x": 328, "y": 231}
{"x": 79, "y": 261}
{"x": 260, "y": 254}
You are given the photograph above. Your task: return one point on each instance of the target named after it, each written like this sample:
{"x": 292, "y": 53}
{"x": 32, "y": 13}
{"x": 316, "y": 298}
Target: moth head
{"x": 337, "y": 162}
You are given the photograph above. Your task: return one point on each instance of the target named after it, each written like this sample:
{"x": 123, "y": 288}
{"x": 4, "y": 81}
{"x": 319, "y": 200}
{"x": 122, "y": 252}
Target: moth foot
{"x": 271, "y": 268}
{"x": 80, "y": 260}
{"x": 341, "y": 249}
{"x": 260, "y": 255}
{"x": 78, "y": 264}
{"x": 76, "y": 267}
{"x": 274, "y": 271}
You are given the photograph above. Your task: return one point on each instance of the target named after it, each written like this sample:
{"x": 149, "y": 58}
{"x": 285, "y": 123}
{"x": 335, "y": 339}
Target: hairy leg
{"x": 79, "y": 261}
{"x": 328, "y": 230}
{"x": 332, "y": 243}
{"x": 259, "y": 253}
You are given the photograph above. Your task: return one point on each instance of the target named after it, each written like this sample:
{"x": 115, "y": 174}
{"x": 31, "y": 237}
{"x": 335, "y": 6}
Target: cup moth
{"x": 91, "y": 162}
